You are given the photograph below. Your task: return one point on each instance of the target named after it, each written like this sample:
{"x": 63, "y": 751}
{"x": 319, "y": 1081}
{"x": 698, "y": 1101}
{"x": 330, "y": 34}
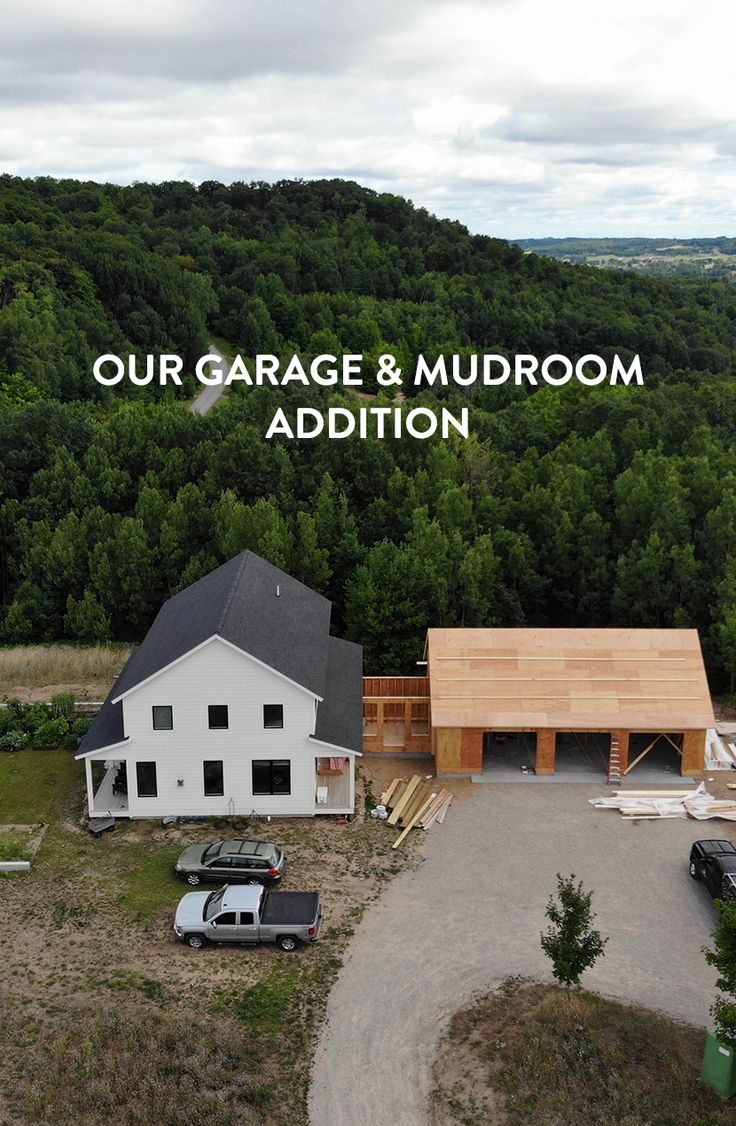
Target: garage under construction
{"x": 538, "y": 700}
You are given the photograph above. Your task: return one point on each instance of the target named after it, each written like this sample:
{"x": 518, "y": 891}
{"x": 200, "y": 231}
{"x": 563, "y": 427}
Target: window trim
{"x": 161, "y": 707}
{"x": 218, "y": 726}
{"x": 138, "y": 765}
{"x": 273, "y": 726}
{"x": 270, "y": 763}
{"x": 213, "y": 793}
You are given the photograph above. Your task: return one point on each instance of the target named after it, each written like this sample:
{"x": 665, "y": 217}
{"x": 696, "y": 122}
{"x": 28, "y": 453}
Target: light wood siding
{"x": 458, "y": 750}
{"x": 218, "y": 674}
{"x": 693, "y": 752}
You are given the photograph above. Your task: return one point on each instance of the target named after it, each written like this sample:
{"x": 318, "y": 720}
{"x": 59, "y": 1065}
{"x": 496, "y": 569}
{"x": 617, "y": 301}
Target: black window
{"x": 271, "y": 776}
{"x": 222, "y": 862}
{"x": 213, "y": 783}
{"x": 242, "y": 862}
{"x": 146, "y": 777}
{"x": 273, "y": 715}
{"x": 218, "y": 718}
{"x": 163, "y": 717}
{"x": 247, "y": 918}
{"x": 227, "y": 919}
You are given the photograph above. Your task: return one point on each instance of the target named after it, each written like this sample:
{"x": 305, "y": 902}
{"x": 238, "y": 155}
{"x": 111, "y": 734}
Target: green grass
{"x": 13, "y": 846}
{"x": 147, "y": 881}
{"x": 265, "y": 1005}
{"x": 39, "y": 786}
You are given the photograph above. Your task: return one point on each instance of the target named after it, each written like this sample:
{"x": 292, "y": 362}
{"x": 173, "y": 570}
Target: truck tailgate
{"x": 290, "y": 908}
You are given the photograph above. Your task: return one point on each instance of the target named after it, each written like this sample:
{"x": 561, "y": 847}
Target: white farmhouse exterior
{"x": 237, "y": 701}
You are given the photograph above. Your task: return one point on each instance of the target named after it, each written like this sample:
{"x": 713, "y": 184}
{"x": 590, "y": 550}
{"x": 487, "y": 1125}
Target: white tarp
{"x": 698, "y": 804}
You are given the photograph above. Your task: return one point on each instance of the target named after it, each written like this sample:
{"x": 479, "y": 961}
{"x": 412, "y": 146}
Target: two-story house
{"x": 237, "y": 700}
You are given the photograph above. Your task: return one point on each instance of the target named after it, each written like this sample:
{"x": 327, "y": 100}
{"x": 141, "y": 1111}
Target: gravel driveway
{"x": 471, "y": 914}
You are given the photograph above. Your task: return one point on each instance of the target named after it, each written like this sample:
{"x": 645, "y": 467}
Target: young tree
{"x": 571, "y": 943}
{"x": 723, "y": 959}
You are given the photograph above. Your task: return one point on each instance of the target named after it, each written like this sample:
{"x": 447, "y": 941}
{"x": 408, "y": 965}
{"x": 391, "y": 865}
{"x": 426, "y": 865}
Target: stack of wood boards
{"x": 649, "y": 805}
{"x": 415, "y": 803}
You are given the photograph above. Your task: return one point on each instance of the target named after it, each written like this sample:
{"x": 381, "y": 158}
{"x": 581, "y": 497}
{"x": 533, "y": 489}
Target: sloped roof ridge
{"x": 233, "y": 587}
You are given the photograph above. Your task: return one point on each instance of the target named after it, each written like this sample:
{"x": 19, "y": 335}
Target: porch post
{"x": 90, "y": 794}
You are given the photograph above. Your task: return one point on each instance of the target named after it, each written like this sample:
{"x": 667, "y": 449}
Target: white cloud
{"x": 519, "y": 117}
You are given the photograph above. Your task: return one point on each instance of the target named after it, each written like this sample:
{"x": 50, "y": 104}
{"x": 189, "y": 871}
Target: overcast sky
{"x": 519, "y": 117}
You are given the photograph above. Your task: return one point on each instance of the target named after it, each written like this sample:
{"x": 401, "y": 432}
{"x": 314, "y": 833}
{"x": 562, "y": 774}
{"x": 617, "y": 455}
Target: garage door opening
{"x": 509, "y": 753}
{"x": 582, "y": 755}
{"x": 652, "y": 757}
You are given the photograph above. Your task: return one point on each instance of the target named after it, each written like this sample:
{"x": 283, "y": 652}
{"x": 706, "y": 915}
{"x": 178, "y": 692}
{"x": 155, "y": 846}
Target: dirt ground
{"x": 102, "y": 942}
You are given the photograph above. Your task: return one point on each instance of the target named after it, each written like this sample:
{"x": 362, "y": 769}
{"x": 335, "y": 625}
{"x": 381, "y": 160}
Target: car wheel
{"x": 196, "y": 941}
{"x": 287, "y": 942}
{"x": 193, "y": 879}
{"x": 253, "y": 881}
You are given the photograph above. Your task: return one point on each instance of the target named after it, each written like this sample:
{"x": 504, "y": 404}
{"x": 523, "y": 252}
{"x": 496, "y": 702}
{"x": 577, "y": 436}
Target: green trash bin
{"x": 719, "y": 1066}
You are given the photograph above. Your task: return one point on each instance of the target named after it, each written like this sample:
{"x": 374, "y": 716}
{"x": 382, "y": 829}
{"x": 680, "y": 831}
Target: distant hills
{"x": 692, "y": 257}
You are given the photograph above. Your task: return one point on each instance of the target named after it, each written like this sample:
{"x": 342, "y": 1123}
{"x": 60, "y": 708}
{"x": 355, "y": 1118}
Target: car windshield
{"x": 211, "y": 852}
{"x": 267, "y": 851}
{"x": 212, "y": 904}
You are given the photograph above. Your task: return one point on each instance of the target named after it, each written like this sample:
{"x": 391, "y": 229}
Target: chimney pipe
{"x": 278, "y": 591}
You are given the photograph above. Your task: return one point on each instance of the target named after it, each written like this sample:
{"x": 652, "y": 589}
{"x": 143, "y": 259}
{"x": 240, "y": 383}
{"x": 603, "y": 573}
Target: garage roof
{"x": 568, "y": 679}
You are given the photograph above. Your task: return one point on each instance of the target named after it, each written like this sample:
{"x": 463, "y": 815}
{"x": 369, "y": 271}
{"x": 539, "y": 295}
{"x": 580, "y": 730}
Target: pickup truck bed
{"x": 289, "y": 907}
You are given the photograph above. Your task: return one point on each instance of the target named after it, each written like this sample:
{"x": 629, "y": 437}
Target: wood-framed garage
{"x": 646, "y": 687}
{"x": 613, "y": 681}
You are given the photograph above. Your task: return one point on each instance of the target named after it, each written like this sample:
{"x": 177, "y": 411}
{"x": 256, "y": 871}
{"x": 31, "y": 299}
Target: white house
{"x": 238, "y": 700}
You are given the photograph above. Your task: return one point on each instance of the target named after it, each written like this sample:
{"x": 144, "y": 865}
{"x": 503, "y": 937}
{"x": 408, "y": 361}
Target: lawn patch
{"x": 535, "y": 1053}
{"x": 39, "y": 786}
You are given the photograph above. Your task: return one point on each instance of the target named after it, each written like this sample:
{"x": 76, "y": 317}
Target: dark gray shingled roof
{"x": 106, "y": 729}
{"x": 340, "y": 715}
{"x": 289, "y": 632}
{"x": 238, "y": 602}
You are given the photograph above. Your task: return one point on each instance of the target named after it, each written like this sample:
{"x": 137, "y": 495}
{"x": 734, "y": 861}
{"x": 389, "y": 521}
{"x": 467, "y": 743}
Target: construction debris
{"x": 412, "y": 804}
{"x": 641, "y": 805}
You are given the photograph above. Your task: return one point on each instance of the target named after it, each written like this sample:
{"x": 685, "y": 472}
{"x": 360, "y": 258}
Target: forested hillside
{"x": 571, "y": 506}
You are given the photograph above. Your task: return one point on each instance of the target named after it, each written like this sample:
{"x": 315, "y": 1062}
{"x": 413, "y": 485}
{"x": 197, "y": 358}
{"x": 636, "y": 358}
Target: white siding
{"x": 218, "y": 674}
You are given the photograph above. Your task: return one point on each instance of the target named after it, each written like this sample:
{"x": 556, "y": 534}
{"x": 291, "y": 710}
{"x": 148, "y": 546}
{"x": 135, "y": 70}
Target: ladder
{"x": 614, "y": 762}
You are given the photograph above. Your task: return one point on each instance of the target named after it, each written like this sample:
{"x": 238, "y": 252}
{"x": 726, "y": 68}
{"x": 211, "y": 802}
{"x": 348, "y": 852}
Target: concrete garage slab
{"x": 471, "y": 915}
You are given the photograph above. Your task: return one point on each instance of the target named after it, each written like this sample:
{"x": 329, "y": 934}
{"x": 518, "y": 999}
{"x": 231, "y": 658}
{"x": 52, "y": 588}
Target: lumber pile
{"x": 652, "y": 805}
{"x": 413, "y": 803}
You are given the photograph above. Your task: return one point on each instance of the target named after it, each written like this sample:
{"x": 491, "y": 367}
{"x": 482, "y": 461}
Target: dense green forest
{"x": 566, "y": 507}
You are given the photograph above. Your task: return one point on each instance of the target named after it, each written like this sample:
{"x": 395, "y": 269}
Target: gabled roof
{"x": 568, "y": 679}
{"x": 106, "y": 729}
{"x": 340, "y": 714}
{"x": 253, "y": 605}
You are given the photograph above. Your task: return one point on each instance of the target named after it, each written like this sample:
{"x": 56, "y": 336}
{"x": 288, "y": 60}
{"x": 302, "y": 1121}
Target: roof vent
{"x": 278, "y": 591}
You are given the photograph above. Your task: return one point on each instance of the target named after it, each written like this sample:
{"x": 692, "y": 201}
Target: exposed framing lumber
{"x": 645, "y": 752}
{"x": 420, "y": 813}
{"x": 443, "y": 812}
{"x": 389, "y": 793}
{"x": 404, "y": 799}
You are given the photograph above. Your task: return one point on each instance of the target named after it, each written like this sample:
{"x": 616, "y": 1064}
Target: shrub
{"x": 77, "y": 731}
{"x": 7, "y": 721}
{"x": 52, "y": 732}
{"x": 62, "y": 706}
{"x": 13, "y": 741}
{"x": 33, "y": 718}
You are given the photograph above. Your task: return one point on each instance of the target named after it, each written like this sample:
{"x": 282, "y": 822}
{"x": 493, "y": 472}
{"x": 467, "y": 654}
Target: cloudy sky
{"x": 519, "y": 117}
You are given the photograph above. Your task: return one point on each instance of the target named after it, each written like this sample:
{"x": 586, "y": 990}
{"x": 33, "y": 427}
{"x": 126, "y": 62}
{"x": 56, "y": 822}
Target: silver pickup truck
{"x": 249, "y": 914}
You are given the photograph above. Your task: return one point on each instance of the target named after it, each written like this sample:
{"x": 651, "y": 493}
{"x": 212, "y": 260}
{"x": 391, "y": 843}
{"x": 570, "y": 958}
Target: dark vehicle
{"x": 249, "y": 916}
{"x": 714, "y": 862}
{"x": 232, "y": 862}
